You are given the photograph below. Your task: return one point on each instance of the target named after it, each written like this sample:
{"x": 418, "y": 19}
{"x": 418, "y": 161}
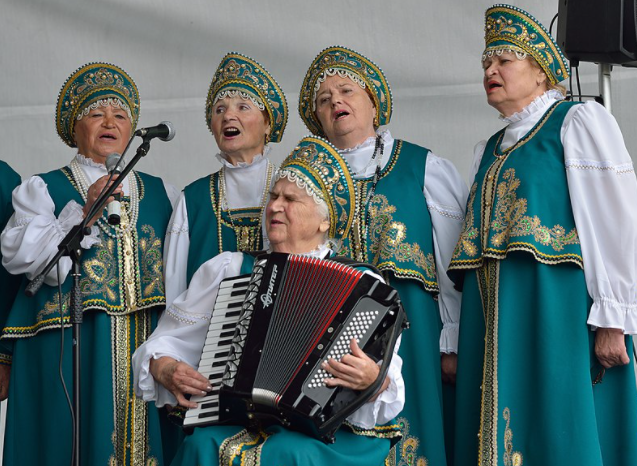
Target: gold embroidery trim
{"x": 469, "y": 233}
{"x": 511, "y": 458}
{"x": 407, "y": 447}
{"x": 509, "y": 219}
{"x": 488, "y": 282}
{"x": 248, "y": 233}
{"x": 232, "y": 447}
{"x": 505, "y": 153}
{"x": 386, "y": 237}
{"x": 388, "y": 431}
{"x": 130, "y": 433}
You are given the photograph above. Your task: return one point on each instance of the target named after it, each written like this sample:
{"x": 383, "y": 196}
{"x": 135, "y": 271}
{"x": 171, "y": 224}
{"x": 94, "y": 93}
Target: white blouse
{"x": 33, "y": 233}
{"x": 603, "y": 190}
{"x": 446, "y": 196}
{"x": 182, "y": 329}
{"x": 245, "y": 185}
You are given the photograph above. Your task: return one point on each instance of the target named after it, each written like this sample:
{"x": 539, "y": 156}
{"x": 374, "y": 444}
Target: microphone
{"x": 114, "y": 207}
{"x": 163, "y": 131}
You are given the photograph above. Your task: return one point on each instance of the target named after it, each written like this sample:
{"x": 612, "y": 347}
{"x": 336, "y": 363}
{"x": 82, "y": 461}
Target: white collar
{"x": 86, "y": 161}
{"x": 539, "y": 104}
{"x": 321, "y": 252}
{"x": 223, "y": 158}
{"x": 369, "y": 142}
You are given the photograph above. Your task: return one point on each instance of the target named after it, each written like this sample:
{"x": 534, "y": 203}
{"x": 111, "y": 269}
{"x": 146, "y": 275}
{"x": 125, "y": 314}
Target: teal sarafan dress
{"x": 122, "y": 296}
{"x": 394, "y": 233}
{"x": 530, "y": 390}
{"x": 9, "y": 284}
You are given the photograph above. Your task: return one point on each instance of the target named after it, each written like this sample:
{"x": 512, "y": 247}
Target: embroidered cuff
{"x": 608, "y": 313}
{"x": 185, "y": 317}
{"x": 449, "y": 337}
{"x": 175, "y": 229}
{"x": 599, "y": 165}
{"x": 446, "y": 211}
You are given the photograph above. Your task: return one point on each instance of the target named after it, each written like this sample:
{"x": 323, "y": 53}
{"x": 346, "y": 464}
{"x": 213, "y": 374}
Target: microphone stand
{"x": 70, "y": 246}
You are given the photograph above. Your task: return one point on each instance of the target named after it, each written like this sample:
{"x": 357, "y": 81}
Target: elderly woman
{"x": 122, "y": 290}
{"x": 548, "y": 258}
{"x": 410, "y": 210}
{"x": 305, "y": 215}
{"x": 245, "y": 110}
{"x": 9, "y": 284}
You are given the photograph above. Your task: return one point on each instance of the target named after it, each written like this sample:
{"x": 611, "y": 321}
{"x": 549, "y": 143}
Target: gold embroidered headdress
{"x": 316, "y": 166}
{"x": 344, "y": 62}
{"x": 243, "y": 76}
{"x": 510, "y": 29}
{"x": 91, "y": 86}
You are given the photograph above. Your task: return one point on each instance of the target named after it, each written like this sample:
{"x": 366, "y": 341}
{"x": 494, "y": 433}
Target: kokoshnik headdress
{"x": 344, "y": 62}
{"x": 91, "y": 86}
{"x": 243, "y": 76}
{"x": 316, "y": 166}
{"x": 511, "y": 29}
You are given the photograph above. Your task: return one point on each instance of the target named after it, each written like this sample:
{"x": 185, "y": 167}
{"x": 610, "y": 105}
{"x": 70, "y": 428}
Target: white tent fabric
{"x": 430, "y": 52}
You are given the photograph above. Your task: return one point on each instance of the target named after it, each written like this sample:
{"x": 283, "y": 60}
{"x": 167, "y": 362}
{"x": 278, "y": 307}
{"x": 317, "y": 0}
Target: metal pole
{"x": 604, "y": 70}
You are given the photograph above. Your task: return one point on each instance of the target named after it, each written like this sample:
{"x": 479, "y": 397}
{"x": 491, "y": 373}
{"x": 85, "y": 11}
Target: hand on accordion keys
{"x": 356, "y": 371}
{"x": 180, "y": 379}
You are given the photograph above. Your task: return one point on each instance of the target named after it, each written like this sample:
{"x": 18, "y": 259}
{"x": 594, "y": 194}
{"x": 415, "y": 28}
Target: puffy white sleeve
{"x": 176, "y": 247}
{"x": 603, "y": 191}
{"x": 446, "y": 195}
{"x": 181, "y": 331}
{"x": 30, "y": 239}
{"x": 478, "y": 152}
{"x": 391, "y": 401}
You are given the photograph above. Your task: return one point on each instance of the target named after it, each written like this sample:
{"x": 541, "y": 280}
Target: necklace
{"x": 371, "y": 161}
{"x": 242, "y": 233}
{"x": 379, "y": 149}
{"x": 83, "y": 185}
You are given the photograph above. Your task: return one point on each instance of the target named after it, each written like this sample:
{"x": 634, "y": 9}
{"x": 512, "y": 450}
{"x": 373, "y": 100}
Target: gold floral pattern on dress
{"x": 387, "y": 238}
{"x": 52, "y": 309}
{"x": 511, "y": 458}
{"x": 469, "y": 234}
{"x": 407, "y": 447}
{"x": 509, "y": 219}
{"x": 233, "y": 447}
{"x": 150, "y": 248}
{"x": 101, "y": 272}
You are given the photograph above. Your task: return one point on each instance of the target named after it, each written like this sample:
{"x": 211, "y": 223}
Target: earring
{"x": 376, "y": 125}
{"x": 266, "y": 139}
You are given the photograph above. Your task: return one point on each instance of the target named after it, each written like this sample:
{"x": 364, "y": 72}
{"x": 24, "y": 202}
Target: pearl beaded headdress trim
{"x": 345, "y": 62}
{"x": 511, "y": 29}
{"x": 241, "y": 75}
{"x": 316, "y": 166}
{"x": 90, "y": 85}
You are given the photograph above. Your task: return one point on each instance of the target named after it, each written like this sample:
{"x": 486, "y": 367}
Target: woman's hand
{"x": 356, "y": 371}
{"x": 93, "y": 193}
{"x": 610, "y": 347}
{"x": 180, "y": 379}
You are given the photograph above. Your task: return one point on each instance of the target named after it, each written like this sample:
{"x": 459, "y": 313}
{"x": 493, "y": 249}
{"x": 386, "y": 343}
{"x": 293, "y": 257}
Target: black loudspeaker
{"x": 600, "y": 31}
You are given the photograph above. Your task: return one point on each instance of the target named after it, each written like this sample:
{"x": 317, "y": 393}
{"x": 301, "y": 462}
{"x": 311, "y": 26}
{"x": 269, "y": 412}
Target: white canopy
{"x": 430, "y": 52}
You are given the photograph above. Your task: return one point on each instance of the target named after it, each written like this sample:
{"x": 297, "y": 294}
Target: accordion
{"x": 270, "y": 332}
